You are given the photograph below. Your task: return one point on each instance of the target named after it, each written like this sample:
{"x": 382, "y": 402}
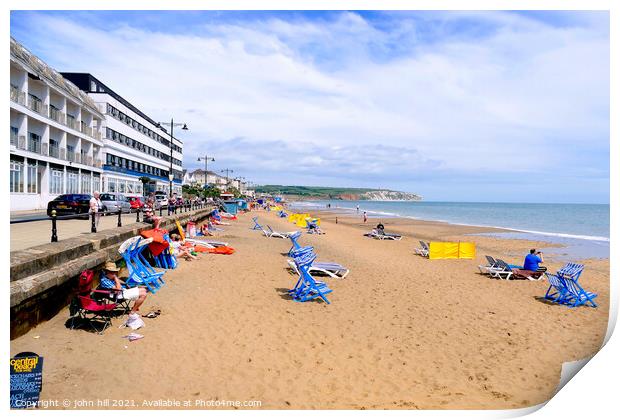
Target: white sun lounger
{"x": 273, "y": 234}
{"x": 423, "y": 250}
{"x": 334, "y": 270}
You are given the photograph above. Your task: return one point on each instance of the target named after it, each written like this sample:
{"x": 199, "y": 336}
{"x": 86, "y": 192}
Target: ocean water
{"x": 582, "y": 228}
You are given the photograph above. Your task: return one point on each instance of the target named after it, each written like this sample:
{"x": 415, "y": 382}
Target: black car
{"x": 70, "y": 204}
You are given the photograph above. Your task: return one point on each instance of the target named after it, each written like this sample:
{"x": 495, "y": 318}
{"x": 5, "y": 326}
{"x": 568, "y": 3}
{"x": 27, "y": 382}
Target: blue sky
{"x": 471, "y": 106}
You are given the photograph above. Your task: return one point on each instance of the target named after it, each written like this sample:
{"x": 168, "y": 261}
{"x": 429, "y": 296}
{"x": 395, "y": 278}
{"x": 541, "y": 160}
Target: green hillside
{"x": 309, "y": 191}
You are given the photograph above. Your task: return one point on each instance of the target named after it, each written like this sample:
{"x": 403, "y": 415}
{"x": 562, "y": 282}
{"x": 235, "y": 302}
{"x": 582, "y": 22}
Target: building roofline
{"x": 116, "y": 96}
{"x": 54, "y": 78}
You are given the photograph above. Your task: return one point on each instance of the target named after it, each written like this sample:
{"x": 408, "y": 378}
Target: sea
{"x": 582, "y": 230}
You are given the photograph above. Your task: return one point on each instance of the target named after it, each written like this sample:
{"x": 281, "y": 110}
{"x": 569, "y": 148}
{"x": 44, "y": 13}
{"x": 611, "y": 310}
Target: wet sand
{"x": 402, "y": 331}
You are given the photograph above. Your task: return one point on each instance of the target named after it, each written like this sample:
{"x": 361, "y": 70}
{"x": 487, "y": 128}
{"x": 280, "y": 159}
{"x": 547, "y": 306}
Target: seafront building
{"x": 70, "y": 133}
{"x": 135, "y": 146}
{"x": 56, "y": 145}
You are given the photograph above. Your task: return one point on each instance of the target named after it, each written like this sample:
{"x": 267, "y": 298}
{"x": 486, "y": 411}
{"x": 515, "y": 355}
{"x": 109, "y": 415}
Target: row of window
{"x": 141, "y": 128}
{"x": 124, "y": 163}
{"x": 123, "y": 186}
{"x": 123, "y": 139}
{"x": 56, "y": 180}
{"x": 131, "y": 165}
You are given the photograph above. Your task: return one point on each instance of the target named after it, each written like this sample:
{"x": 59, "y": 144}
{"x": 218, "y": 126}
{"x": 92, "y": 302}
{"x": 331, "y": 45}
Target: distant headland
{"x": 297, "y": 192}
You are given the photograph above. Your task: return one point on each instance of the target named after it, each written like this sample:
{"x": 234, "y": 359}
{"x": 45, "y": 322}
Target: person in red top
{"x": 149, "y": 213}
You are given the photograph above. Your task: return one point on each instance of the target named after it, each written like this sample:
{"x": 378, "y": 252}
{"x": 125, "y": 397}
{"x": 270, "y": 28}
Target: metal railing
{"x": 53, "y": 152}
{"x": 34, "y": 146}
{"x": 17, "y": 96}
{"x": 92, "y": 217}
{"x": 13, "y": 139}
{"x": 57, "y": 115}
{"x": 37, "y": 105}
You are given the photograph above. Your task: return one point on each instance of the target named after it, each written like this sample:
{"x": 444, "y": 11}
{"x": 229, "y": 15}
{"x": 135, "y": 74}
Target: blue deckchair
{"x": 256, "y": 226}
{"x": 165, "y": 259}
{"x": 576, "y": 295}
{"x": 557, "y": 289}
{"x": 293, "y": 237}
{"x": 307, "y": 288}
{"x": 138, "y": 274}
{"x": 282, "y": 213}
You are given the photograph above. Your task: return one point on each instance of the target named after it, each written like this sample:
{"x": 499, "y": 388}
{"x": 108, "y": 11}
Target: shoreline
{"x": 350, "y": 211}
{"x": 552, "y": 242}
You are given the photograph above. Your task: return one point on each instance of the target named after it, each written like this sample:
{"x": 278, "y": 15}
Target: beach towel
{"x": 159, "y": 244}
{"x": 526, "y": 274}
{"x": 224, "y": 250}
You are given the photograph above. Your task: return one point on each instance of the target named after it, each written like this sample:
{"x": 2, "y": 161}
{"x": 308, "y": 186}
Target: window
{"x": 14, "y": 132}
{"x": 130, "y": 187}
{"x": 55, "y": 181}
{"x": 86, "y": 187}
{"x": 121, "y": 186}
{"x": 72, "y": 183}
{"x": 111, "y": 185}
{"x": 17, "y": 176}
{"x": 32, "y": 178}
{"x": 97, "y": 182}
{"x": 34, "y": 143}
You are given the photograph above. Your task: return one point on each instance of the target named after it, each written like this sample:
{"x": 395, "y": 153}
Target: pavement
{"x": 26, "y": 235}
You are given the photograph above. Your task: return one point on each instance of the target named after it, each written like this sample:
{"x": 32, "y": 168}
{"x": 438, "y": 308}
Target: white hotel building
{"x": 56, "y": 145}
{"x": 135, "y": 146}
{"x": 70, "y": 133}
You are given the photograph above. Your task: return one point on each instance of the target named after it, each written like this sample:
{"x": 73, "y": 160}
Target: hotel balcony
{"x": 35, "y": 104}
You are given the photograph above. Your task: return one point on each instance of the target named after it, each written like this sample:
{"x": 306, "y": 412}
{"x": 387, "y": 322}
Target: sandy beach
{"x": 402, "y": 331}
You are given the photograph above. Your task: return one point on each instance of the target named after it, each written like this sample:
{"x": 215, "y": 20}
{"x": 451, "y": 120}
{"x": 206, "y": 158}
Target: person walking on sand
{"x": 365, "y": 217}
{"x": 95, "y": 207}
{"x": 357, "y": 209}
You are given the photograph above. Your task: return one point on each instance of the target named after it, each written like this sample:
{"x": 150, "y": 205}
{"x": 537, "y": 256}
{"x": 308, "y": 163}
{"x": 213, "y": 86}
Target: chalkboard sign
{"x": 26, "y": 380}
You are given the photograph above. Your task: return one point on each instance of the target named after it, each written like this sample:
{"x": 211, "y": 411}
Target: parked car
{"x": 114, "y": 201}
{"x": 161, "y": 200}
{"x": 136, "y": 202}
{"x": 70, "y": 204}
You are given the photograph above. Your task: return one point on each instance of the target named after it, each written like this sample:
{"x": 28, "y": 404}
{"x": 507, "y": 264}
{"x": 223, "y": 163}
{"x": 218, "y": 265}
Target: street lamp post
{"x": 172, "y": 124}
{"x": 206, "y": 159}
{"x": 228, "y": 171}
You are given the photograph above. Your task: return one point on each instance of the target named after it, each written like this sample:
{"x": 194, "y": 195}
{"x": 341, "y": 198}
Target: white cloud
{"x": 344, "y": 100}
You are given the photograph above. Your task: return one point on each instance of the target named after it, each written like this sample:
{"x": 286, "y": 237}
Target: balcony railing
{"x": 57, "y": 115}
{"x": 44, "y": 149}
{"x": 89, "y": 160}
{"x": 21, "y": 142}
{"x": 13, "y": 139}
{"x": 34, "y": 146}
{"x": 54, "y": 152}
{"x": 17, "y": 96}
{"x": 98, "y": 163}
{"x": 37, "y": 105}
{"x": 63, "y": 153}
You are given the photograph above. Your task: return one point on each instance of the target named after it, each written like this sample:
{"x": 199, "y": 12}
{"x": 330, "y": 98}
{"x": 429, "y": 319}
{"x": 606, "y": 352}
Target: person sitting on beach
{"x": 180, "y": 249}
{"x": 109, "y": 281}
{"x": 532, "y": 261}
{"x": 380, "y": 229}
{"x": 149, "y": 214}
{"x": 205, "y": 229}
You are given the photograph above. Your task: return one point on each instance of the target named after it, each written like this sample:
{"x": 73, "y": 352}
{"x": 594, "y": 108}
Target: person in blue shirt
{"x": 533, "y": 260}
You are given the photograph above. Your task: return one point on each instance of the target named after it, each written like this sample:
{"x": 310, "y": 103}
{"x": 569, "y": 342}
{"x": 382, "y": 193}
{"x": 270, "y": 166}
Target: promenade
{"x": 26, "y": 235}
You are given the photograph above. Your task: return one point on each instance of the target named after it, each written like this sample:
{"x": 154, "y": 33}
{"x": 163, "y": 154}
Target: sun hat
{"x": 111, "y": 266}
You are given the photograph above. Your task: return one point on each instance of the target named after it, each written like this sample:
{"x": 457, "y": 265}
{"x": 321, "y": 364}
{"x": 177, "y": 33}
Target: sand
{"x": 402, "y": 331}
